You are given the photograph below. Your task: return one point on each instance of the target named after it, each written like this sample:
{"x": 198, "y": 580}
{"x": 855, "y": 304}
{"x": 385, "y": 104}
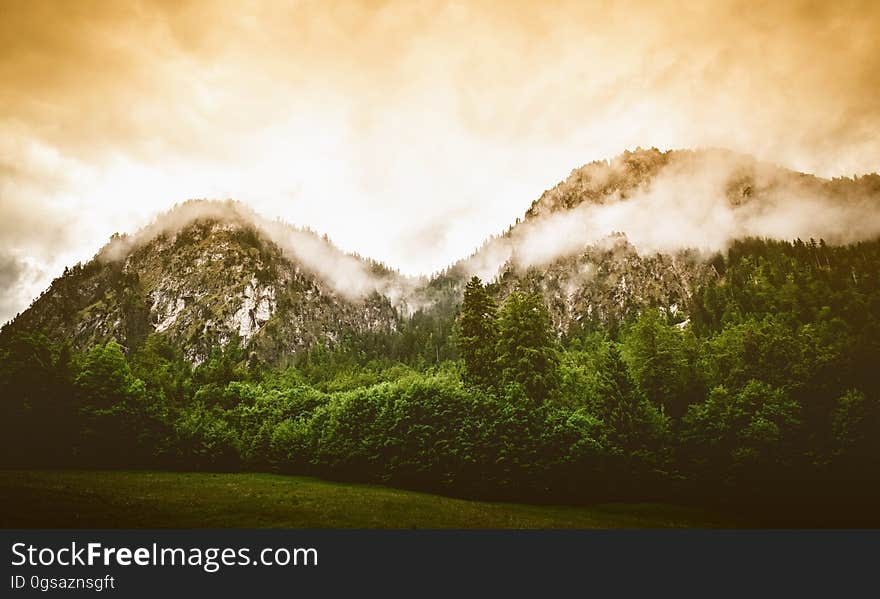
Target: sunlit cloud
{"x": 406, "y": 131}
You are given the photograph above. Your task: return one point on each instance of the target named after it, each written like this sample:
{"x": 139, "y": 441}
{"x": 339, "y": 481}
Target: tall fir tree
{"x": 617, "y": 397}
{"x": 526, "y": 349}
{"x": 477, "y": 331}
{"x": 635, "y": 424}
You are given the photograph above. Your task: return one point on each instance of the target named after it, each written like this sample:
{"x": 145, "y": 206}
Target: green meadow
{"x": 109, "y": 499}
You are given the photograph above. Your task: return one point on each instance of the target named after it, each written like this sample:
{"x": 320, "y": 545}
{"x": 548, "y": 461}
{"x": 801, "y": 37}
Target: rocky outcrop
{"x": 203, "y": 285}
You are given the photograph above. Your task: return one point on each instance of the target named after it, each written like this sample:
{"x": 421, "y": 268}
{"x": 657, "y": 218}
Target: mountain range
{"x": 614, "y": 238}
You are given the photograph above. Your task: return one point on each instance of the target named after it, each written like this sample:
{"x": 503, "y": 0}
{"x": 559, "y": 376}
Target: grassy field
{"x": 103, "y": 499}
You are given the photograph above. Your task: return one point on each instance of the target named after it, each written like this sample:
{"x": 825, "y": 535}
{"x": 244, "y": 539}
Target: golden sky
{"x": 408, "y": 131}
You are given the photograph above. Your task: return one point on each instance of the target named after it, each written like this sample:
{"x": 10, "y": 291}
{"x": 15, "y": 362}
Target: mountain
{"x": 643, "y": 229}
{"x": 207, "y": 272}
{"x": 724, "y": 176}
{"x": 614, "y": 238}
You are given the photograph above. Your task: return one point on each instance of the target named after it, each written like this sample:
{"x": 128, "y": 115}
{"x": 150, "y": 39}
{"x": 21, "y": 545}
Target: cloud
{"x": 20, "y": 282}
{"x": 351, "y": 276}
{"x": 10, "y": 271}
{"x": 374, "y": 120}
{"x": 685, "y": 200}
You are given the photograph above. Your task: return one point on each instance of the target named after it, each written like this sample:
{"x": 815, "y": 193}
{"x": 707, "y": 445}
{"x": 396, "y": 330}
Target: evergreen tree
{"x": 122, "y": 422}
{"x": 636, "y": 426}
{"x": 662, "y": 363}
{"x": 526, "y": 349}
{"x": 477, "y": 330}
{"x": 617, "y": 397}
{"x": 105, "y": 380}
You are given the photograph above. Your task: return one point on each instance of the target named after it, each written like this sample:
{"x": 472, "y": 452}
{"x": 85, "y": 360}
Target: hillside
{"x": 642, "y": 230}
{"x": 206, "y": 273}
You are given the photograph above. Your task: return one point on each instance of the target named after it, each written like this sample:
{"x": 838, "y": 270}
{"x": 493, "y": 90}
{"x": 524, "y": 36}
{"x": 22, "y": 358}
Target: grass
{"x": 110, "y": 499}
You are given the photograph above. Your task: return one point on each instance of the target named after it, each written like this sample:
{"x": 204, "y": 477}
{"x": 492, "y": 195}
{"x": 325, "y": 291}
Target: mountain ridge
{"x": 202, "y": 284}
{"x": 207, "y": 272}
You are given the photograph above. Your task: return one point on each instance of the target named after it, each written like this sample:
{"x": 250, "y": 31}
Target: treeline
{"x": 771, "y": 389}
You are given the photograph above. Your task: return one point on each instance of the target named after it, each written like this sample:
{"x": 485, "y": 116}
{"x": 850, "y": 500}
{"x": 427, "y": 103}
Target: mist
{"x": 700, "y": 200}
{"x": 349, "y": 275}
{"x": 660, "y": 201}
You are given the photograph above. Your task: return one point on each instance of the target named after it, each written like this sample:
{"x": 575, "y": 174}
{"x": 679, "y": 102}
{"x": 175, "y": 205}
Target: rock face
{"x": 602, "y": 182}
{"x": 202, "y": 285}
{"x": 608, "y": 282}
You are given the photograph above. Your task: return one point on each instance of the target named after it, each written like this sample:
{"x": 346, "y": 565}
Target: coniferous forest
{"x": 767, "y": 397}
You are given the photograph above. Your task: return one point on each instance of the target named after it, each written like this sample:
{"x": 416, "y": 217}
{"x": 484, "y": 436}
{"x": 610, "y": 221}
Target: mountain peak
{"x": 596, "y": 181}
{"x": 205, "y": 273}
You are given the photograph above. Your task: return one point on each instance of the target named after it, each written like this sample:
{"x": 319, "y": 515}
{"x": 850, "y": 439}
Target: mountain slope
{"x": 639, "y": 230}
{"x": 203, "y": 276}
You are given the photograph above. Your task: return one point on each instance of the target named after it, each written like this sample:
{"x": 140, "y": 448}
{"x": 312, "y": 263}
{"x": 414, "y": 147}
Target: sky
{"x": 408, "y": 131}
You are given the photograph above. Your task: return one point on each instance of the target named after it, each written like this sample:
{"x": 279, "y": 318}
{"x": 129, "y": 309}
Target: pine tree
{"x": 477, "y": 329}
{"x": 526, "y": 350}
{"x": 617, "y": 401}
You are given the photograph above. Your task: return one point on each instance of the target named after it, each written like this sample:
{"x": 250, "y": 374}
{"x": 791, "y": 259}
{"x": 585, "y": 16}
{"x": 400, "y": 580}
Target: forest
{"x": 767, "y": 394}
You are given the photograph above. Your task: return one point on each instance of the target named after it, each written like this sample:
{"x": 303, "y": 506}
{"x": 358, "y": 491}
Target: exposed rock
{"x": 201, "y": 286}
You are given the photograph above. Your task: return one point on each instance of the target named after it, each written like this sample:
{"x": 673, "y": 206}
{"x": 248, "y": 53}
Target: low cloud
{"x": 350, "y": 275}
{"x": 19, "y": 282}
{"x": 701, "y": 200}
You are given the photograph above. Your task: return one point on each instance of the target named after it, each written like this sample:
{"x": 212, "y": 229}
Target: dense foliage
{"x": 771, "y": 386}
